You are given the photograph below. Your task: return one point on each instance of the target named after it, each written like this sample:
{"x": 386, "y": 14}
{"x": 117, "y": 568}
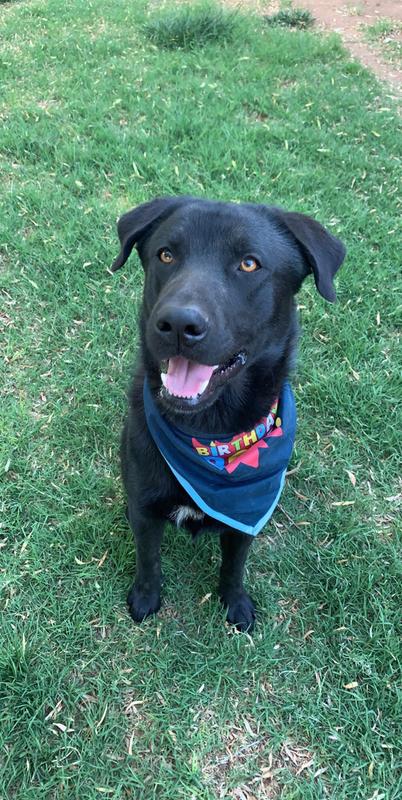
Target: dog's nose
{"x": 184, "y": 324}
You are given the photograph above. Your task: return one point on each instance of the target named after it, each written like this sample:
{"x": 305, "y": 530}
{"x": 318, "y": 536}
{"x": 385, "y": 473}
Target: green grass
{"x": 94, "y": 119}
{"x": 291, "y": 18}
{"x": 193, "y": 25}
{"x": 387, "y": 35}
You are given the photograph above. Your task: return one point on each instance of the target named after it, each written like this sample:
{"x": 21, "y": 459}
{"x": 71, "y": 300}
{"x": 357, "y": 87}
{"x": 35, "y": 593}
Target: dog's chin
{"x": 177, "y": 402}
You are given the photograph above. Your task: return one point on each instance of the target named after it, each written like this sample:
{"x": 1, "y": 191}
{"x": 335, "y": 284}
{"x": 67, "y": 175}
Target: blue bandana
{"x": 236, "y": 479}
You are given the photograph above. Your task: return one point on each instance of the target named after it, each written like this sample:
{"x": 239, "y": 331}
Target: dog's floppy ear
{"x": 322, "y": 252}
{"x": 134, "y": 224}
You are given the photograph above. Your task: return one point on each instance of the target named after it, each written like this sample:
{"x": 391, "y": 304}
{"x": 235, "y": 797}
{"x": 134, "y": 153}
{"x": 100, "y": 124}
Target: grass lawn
{"x": 96, "y": 116}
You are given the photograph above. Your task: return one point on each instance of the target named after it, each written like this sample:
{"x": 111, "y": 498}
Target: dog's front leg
{"x": 144, "y": 597}
{"x": 241, "y": 611}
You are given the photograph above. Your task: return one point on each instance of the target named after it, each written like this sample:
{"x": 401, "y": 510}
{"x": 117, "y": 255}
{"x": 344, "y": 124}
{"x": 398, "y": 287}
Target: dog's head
{"x": 220, "y": 279}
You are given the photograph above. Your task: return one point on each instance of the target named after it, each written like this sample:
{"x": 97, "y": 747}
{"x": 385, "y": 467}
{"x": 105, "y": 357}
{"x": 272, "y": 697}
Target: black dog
{"x": 219, "y": 315}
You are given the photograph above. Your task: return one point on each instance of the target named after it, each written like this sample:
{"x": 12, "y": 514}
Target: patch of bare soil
{"x": 348, "y": 19}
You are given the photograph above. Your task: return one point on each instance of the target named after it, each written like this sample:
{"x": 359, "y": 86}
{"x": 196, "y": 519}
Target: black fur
{"x": 248, "y": 312}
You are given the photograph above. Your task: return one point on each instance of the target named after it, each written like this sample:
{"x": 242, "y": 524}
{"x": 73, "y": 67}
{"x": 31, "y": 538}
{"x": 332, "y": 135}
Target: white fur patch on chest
{"x": 181, "y": 513}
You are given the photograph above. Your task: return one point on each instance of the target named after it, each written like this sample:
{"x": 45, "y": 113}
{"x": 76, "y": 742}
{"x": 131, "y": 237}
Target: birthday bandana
{"x": 236, "y": 479}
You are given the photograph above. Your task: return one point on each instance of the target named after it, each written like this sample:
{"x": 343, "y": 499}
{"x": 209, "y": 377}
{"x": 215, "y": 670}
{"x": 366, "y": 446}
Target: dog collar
{"x": 236, "y": 480}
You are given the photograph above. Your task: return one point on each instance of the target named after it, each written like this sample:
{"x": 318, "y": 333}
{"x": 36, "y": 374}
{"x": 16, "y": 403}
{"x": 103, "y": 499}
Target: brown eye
{"x": 249, "y": 264}
{"x": 165, "y": 256}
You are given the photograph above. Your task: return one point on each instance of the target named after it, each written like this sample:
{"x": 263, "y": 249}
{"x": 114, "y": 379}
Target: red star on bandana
{"x": 250, "y": 456}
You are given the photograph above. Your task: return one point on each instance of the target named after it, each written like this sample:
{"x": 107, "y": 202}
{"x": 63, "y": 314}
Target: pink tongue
{"x": 186, "y": 378}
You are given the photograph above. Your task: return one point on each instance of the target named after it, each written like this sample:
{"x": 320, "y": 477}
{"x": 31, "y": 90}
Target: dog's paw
{"x": 241, "y": 610}
{"x": 142, "y": 604}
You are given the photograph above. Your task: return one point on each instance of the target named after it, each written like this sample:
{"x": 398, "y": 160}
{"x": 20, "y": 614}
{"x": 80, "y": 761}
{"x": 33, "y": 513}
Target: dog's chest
{"x": 181, "y": 514}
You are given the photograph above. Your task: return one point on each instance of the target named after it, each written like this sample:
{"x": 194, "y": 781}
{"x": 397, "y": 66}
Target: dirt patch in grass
{"x": 350, "y": 19}
{"x": 250, "y": 757}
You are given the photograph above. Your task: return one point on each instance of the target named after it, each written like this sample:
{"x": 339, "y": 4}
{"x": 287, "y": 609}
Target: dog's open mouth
{"x": 191, "y": 381}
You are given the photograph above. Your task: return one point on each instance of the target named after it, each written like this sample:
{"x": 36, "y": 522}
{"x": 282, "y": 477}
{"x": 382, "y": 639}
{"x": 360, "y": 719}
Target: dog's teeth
{"x": 203, "y": 386}
{"x": 163, "y": 378}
